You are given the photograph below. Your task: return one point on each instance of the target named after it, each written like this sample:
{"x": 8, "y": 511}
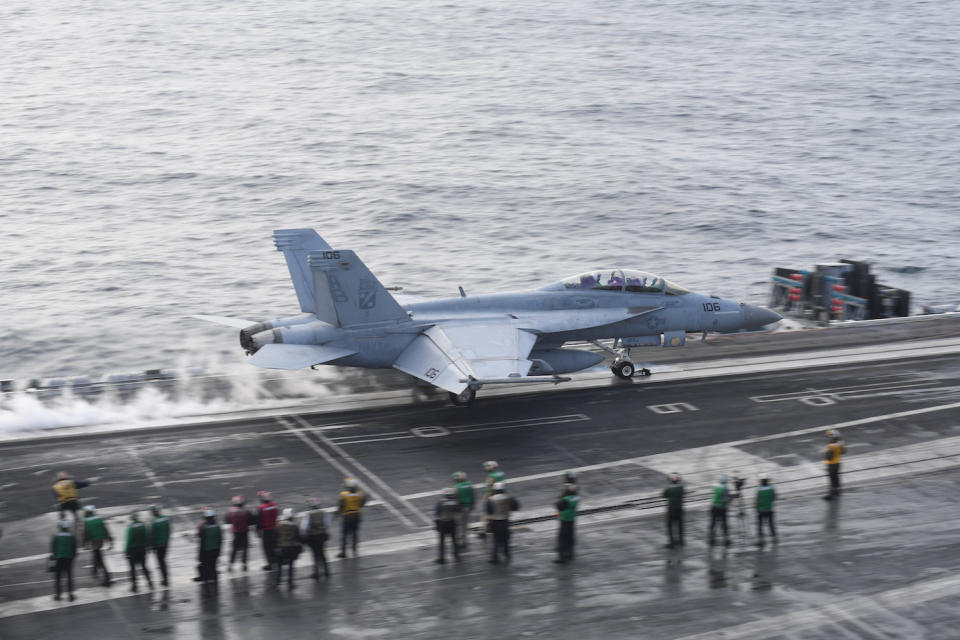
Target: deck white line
{"x": 375, "y": 478}
{"x": 640, "y": 460}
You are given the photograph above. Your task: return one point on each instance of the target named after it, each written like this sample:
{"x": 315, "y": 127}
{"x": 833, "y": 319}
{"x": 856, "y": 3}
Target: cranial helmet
{"x": 490, "y": 465}
{"x": 64, "y": 525}
{"x": 350, "y": 483}
{"x": 459, "y": 476}
{"x": 63, "y": 475}
{"x": 89, "y": 508}
{"x": 287, "y": 514}
{"x": 238, "y": 500}
{"x": 209, "y": 513}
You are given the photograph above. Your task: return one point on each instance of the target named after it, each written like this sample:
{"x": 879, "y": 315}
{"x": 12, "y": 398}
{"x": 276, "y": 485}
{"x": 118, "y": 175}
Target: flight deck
{"x": 881, "y": 561}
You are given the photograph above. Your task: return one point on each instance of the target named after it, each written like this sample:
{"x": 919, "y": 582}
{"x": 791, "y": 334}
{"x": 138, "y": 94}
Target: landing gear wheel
{"x": 463, "y": 398}
{"x": 623, "y": 369}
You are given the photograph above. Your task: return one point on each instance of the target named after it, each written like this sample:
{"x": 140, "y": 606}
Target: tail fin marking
{"x": 346, "y": 291}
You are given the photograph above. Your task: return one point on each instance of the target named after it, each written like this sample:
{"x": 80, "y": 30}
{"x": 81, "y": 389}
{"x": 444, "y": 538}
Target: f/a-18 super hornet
{"x": 461, "y": 344}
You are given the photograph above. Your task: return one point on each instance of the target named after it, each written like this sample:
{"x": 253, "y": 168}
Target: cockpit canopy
{"x": 621, "y": 280}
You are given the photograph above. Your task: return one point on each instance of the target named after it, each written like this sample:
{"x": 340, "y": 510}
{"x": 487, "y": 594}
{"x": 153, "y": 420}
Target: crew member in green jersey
{"x": 136, "y": 550}
{"x": 567, "y": 515}
{"x": 211, "y": 539}
{"x": 95, "y": 537}
{"x": 63, "y": 549}
{"x": 159, "y": 538}
{"x": 465, "y": 501}
{"x": 720, "y": 498}
{"x": 766, "y": 496}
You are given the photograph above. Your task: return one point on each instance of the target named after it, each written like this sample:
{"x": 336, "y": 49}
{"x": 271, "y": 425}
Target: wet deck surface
{"x": 881, "y": 562}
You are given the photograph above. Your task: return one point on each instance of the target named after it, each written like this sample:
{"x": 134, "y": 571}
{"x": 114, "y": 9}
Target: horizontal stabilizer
{"x": 236, "y": 323}
{"x": 296, "y": 356}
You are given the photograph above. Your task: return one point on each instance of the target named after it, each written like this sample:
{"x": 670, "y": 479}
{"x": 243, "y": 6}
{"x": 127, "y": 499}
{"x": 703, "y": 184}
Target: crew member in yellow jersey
{"x": 65, "y": 488}
{"x": 832, "y": 454}
{"x": 352, "y": 500}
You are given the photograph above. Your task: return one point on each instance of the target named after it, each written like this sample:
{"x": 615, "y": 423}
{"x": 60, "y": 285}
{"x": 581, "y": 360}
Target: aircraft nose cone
{"x": 755, "y": 317}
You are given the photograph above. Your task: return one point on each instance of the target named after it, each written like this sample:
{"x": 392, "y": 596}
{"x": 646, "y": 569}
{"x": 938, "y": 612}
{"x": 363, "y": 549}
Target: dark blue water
{"x": 148, "y": 149}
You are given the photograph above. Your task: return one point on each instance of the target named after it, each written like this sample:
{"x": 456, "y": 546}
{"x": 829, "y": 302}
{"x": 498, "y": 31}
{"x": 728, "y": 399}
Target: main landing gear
{"x": 463, "y": 398}
{"x": 625, "y": 369}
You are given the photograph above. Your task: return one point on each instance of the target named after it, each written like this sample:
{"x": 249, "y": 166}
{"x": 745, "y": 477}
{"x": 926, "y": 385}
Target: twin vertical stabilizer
{"x": 346, "y": 293}
{"x": 295, "y": 245}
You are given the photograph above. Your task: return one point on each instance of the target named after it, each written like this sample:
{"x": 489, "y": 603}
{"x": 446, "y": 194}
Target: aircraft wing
{"x": 448, "y": 353}
{"x": 296, "y": 356}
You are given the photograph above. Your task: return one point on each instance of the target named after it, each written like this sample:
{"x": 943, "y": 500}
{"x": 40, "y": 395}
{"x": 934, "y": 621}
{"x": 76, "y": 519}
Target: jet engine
{"x": 296, "y": 330}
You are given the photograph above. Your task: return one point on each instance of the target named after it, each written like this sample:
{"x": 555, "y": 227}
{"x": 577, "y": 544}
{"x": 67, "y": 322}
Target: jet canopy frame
{"x": 617, "y": 280}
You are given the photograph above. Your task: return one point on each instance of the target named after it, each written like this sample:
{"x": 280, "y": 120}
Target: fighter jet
{"x": 462, "y": 344}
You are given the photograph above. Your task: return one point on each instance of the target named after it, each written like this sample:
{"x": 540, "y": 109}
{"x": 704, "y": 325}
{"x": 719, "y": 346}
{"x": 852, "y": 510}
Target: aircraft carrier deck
{"x": 882, "y": 561}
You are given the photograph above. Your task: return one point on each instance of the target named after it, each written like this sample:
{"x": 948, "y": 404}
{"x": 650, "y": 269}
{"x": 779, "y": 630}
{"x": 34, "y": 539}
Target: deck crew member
{"x": 445, "y": 516}
{"x": 498, "y": 509}
{"x": 95, "y": 537}
{"x": 159, "y": 539}
{"x": 210, "y": 538}
{"x": 65, "y": 489}
{"x": 63, "y": 549}
{"x": 566, "y": 516}
{"x": 288, "y": 545}
{"x": 352, "y": 500}
{"x": 239, "y": 520}
{"x": 494, "y": 475}
{"x": 832, "y": 454}
{"x": 136, "y": 550}
{"x": 674, "y": 493}
{"x": 267, "y": 528}
{"x": 720, "y": 498}
{"x": 766, "y": 495}
{"x": 314, "y": 528}
{"x": 465, "y": 502}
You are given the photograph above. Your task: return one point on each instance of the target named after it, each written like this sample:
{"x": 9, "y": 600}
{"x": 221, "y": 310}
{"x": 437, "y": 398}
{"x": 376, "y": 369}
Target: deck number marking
{"x": 430, "y": 432}
{"x": 675, "y": 407}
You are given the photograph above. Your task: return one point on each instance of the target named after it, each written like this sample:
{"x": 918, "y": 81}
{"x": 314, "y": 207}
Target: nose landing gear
{"x": 622, "y": 367}
{"x": 625, "y": 369}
